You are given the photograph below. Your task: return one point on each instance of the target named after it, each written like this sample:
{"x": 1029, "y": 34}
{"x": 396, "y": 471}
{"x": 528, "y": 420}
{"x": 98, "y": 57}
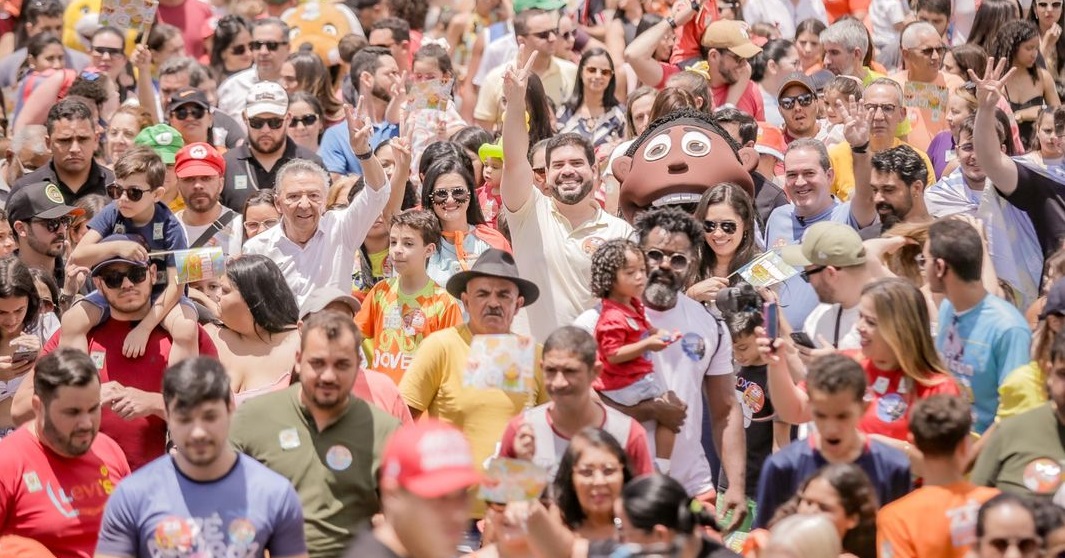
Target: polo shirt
{"x": 558, "y": 258}
{"x": 558, "y": 83}
{"x": 335, "y": 147}
{"x": 245, "y": 175}
{"x": 334, "y": 471}
{"x": 99, "y": 177}
{"x": 1024, "y": 455}
{"x": 328, "y": 258}
{"x": 843, "y": 166}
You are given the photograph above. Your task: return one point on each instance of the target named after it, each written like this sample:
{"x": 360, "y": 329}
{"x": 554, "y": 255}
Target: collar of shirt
{"x": 596, "y": 222}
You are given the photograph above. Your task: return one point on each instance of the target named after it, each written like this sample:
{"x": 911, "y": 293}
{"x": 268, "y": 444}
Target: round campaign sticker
{"x": 591, "y": 244}
{"x": 241, "y": 532}
{"x": 338, "y": 458}
{"x": 890, "y": 407}
{"x": 694, "y": 346}
{"x": 1042, "y": 475}
{"x": 174, "y": 533}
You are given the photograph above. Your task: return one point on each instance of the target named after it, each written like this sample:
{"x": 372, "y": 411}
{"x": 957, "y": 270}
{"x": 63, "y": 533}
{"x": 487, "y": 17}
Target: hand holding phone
{"x": 801, "y": 339}
{"x": 770, "y": 316}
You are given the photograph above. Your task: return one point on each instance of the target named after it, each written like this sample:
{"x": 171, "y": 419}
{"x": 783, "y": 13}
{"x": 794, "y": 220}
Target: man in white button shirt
{"x": 315, "y": 249}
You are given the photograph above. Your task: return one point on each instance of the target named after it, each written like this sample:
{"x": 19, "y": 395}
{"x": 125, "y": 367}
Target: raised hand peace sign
{"x": 359, "y": 127}
{"x": 516, "y": 76}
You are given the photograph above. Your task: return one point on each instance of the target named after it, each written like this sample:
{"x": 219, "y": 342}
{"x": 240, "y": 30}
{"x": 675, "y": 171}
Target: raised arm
{"x": 640, "y": 52}
{"x": 142, "y": 61}
{"x": 517, "y": 185}
{"x": 360, "y": 129}
{"x": 856, "y": 130}
{"x": 1000, "y": 169}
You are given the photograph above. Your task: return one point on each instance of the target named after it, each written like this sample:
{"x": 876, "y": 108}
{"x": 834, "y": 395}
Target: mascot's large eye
{"x": 695, "y": 144}
{"x": 329, "y": 29}
{"x": 657, "y": 148}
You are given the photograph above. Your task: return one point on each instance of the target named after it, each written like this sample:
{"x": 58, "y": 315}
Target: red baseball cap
{"x": 199, "y": 159}
{"x": 430, "y": 459}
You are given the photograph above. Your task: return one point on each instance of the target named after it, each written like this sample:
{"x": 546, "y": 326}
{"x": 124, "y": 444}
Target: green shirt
{"x": 1024, "y": 455}
{"x": 334, "y": 471}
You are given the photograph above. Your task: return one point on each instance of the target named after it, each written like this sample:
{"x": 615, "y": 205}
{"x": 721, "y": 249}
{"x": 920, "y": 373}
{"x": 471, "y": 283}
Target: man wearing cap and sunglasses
{"x": 254, "y": 165}
{"x": 798, "y": 104}
{"x": 40, "y": 220}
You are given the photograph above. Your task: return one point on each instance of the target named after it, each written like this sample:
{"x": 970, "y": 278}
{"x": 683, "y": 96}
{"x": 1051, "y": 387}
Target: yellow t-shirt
{"x": 1023, "y": 390}
{"x": 843, "y": 167}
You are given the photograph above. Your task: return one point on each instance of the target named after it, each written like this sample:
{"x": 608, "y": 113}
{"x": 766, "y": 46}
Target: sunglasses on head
{"x": 306, "y": 120}
{"x": 676, "y": 260}
{"x": 272, "y": 46}
{"x": 113, "y": 279}
{"x": 52, "y": 225}
{"x": 458, "y": 194}
{"x": 196, "y": 112}
{"x": 273, "y": 123}
{"x": 132, "y": 194}
{"x": 804, "y": 100}
{"x": 727, "y": 227}
{"x": 108, "y": 51}
{"x": 238, "y": 50}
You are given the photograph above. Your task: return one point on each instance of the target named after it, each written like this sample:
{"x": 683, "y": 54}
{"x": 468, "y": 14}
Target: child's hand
{"x": 658, "y": 339}
{"x": 136, "y": 341}
{"x": 130, "y": 250}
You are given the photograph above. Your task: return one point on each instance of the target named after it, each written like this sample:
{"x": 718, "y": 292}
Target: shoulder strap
{"x": 219, "y": 224}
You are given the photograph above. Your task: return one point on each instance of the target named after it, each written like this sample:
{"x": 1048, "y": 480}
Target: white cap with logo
{"x": 267, "y": 97}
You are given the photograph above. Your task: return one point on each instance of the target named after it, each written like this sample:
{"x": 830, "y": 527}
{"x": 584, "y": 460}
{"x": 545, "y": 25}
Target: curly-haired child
{"x": 624, "y": 336}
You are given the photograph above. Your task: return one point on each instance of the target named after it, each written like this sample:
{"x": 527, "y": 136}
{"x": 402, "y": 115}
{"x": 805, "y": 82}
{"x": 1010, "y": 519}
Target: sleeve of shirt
{"x": 638, "y": 450}
{"x": 1032, "y": 190}
{"x": 1020, "y": 392}
{"x": 506, "y": 443}
{"x": 771, "y": 491}
{"x": 721, "y": 362}
{"x": 333, "y": 151}
{"x": 487, "y": 107}
{"x": 118, "y": 529}
{"x": 104, "y": 221}
{"x": 287, "y": 538}
{"x": 610, "y": 331}
{"x": 366, "y": 319}
{"x": 985, "y": 471}
{"x": 1014, "y": 350}
{"x": 892, "y": 537}
{"x": 423, "y": 377}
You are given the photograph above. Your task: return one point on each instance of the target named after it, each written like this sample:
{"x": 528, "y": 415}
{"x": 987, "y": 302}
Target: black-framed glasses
{"x": 806, "y": 274}
{"x": 108, "y": 51}
{"x": 113, "y": 279}
{"x": 676, "y": 260}
{"x": 1050, "y": 5}
{"x": 53, "y": 225}
{"x": 727, "y": 227}
{"x": 804, "y": 100}
{"x": 196, "y": 112}
{"x": 929, "y": 51}
{"x": 545, "y": 35}
{"x": 238, "y": 50}
{"x": 888, "y": 109}
{"x": 458, "y": 194}
{"x": 273, "y": 123}
{"x": 1027, "y": 545}
{"x": 272, "y": 46}
{"x": 306, "y": 120}
{"x": 132, "y": 194}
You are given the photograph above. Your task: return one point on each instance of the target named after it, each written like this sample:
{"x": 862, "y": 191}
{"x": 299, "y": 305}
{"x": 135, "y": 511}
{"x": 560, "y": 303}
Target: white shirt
{"x": 233, "y": 93}
{"x": 784, "y": 14}
{"x": 496, "y": 53}
{"x": 823, "y": 319}
{"x": 328, "y": 258}
{"x": 230, "y": 237}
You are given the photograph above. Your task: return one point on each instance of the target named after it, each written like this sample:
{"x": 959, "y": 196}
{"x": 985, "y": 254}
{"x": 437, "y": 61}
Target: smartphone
{"x": 770, "y": 318}
{"x": 24, "y": 356}
{"x": 803, "y": 340}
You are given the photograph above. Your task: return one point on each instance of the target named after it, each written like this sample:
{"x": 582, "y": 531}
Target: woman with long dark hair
{"x": 594, "y": 111}
{"x": 1049, "y": 16}
{"x": 230, "y": 50}
{"x": 990, "y": 17}
{"x": 306, "y": 120}
{"x": 1030, "y": 87}
{"x": 729, "y": 239}
{"x": 258, "y": 340}
{"x": 19, "y": 344}
{"x": 304, "y": 71}
{"x": 590, "y": 478}
{"x": 778, "y": 59}
{"x": 655, "y": 511}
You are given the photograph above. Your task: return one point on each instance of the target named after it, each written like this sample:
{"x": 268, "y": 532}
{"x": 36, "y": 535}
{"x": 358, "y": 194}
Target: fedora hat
{"x": 494, "y": 263}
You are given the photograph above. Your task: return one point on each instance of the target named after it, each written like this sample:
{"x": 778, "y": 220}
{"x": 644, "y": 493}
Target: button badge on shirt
{"x": 880, "y": 385}
{"x": 289, "y": 439}
{"x": 338, "y": 458}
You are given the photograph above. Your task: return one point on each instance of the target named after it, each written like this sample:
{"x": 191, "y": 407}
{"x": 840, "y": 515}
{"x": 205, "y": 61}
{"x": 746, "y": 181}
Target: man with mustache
{"x": 61, "y": 452}
{"x": 318, "y": 435}
{"x": 898, "y": 181}
{"x": 40, "y": 221}
{"x": 199, "y": 169}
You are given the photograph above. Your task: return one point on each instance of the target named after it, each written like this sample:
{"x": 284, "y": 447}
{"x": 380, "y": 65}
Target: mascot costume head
{"x": 680, "y": 156}
{"x": 321, "y": 25}
{"x": 81, "y": 19}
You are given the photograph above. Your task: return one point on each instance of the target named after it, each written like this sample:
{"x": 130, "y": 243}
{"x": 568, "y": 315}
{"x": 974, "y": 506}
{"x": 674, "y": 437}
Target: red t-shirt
{"x": 55, "y": 500}
{"x": 143, "y": 439}
{"x": 690, "y": 37}
{"x": 618, "y": 326}
{"x": 750, "y": 102}
{"x": 491, "y": 202}
{"x": 889, "y": 406}
{"x": 190, "y": 17}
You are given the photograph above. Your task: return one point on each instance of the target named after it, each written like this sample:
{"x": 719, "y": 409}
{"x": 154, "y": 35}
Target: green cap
{"x": 826, "y": 243}
{"x": 487, "y": 150}
{"x": 163, "y": 139}
{"x": 546, "y": 5}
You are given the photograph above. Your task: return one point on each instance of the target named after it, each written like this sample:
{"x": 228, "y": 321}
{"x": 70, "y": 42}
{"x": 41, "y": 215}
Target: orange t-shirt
{"x": 839, "y": 8}
{"x": 926, "y": 106}
{"x": 935, "y": 521}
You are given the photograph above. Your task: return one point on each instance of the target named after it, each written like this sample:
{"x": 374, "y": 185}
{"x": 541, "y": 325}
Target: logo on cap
{"x": 164, "y": 138}
{"x": 52, "y": 192}
{"x": 187, "y": 93}
{"x": 198, "y": 152}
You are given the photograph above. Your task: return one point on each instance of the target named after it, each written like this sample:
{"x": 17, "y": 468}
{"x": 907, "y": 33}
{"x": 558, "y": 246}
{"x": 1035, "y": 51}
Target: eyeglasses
{"x": 132, "y": 194}
{"x": 545, "y": 35}
{"x": 1027, "y": 545}
{"x": 53, "y": 225}
{"x": 605, "y": 72}
{"x": 272, "y": 46}
{"x": 676, "y": 260}
{"x": 568, "y": 35}
{"x": 253, "y": 226}
{"x": 113, "y": 279}
{"x": 458, "y": 194}
{"x": 888, "y": 109}
{"x": 540, "y": 171}
{"x": 804, "y": 100}
{"x": 238, "y": 50}
{"x": 306, "y": 120}
{"x": 183, "y": 113}
{"x": 273, "y": 123}
{"x": 808, "y": 273}
{"x": 1050, "y": 5}
{"x": 108, "y": 51}
{"x": 727, "y": 227}
{"x": 929, "y": 51}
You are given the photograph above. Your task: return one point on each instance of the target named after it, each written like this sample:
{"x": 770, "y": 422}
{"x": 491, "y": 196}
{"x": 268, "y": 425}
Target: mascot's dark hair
{"x": 685, "y": 113}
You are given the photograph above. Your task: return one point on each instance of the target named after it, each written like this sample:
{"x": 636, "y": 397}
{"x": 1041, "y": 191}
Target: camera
{"x": 741, "y": 298}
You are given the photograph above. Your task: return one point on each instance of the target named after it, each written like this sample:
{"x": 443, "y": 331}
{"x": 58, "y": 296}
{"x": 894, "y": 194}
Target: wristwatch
{"x": 364, "y": 156}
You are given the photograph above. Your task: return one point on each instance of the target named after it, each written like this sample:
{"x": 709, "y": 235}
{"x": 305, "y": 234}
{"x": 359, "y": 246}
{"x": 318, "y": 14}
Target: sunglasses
{"x": 545, "y": 35}
{"x": 1051, "y": 5}
{"x": 196, "y": 112}
{"x": 272, "y": 46}
{"x": 458, "y": 194}
{"x": 238, "y": 50}
{"x": 676, "y": 260}
{"x": 108, "y": 51}
{"x": 928, "y": 52}
{"x": 1027, "y": 545}
{"x": 306, "y": 120}
{"x": 808, "y": 273}
{"x": 804, "y": 100}
{"x": 113, "y": 279}
{"x": 727, "y": 227}
{"x": 53, "y": 225}
{"x": 132, "y": 194}
{"x": 273, "y": 123}
{"x": 605, "y": 72}
{"x": 252, "y": 226}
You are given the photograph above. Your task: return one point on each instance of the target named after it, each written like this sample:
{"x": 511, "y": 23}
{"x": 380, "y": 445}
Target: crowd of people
{"x": 534, "y": 278}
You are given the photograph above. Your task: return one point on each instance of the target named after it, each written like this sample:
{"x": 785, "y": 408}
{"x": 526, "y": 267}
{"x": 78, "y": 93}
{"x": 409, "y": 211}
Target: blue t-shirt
{"x": 335, "y": 147}
{"x": 158, "y": 511}
{"x": 797, "y": 297}
{"x": 981, "y": 346}
{"x": 785, "y": 471}
{"x": 163, "y": 233}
